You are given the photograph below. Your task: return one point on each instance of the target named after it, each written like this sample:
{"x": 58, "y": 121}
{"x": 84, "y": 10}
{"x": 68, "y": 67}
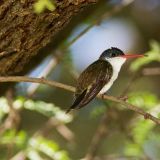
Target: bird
{"x": 99, "y": 76}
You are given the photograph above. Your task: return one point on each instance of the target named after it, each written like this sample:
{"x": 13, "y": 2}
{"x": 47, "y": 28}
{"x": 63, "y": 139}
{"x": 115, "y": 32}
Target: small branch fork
{"x": 72, "y": 89}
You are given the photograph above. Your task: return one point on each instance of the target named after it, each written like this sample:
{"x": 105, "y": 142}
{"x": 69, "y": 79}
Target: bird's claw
{"x": 102, "y": 96}
{"x": 123, "y": 98}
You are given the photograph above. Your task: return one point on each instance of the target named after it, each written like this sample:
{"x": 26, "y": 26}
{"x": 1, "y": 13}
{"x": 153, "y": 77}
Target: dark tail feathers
{"x": 77, "y": 103}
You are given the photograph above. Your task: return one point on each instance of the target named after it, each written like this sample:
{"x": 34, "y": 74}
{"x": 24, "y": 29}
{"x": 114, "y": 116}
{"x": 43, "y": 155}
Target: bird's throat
{"x": 116, "y": 65}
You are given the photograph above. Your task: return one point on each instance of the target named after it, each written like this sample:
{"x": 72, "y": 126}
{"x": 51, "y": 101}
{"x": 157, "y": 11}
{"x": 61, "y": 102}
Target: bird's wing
{"x": 90, "y": 82}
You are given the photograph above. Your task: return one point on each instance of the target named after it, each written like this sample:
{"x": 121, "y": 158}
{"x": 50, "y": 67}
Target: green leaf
{"x": 48, "y": 147}
{"x": 21, "y": 139}
{"x": 141, "y": 131}
{"x": 4, "y": 108}
{"x": 153, "y": 55}
{"x": 48, "y": 109}
{"x": 8, "y": 136}
{"x": 143, "y": 99}
{"x": 11, "y": 136}
{"x": 33, "y": 155}
{"x": 132, "y": 149}
{"x": 41, "y": 143}
{"x": 41, "y": 5}
{"x": 18, "y": 103}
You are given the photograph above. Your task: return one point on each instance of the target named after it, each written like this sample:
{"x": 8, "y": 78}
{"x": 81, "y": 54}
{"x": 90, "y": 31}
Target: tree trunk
{"x": 23, "y": 33}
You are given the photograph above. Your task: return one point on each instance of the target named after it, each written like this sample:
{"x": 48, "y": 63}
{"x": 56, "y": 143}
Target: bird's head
{"x": 117, "y": 56}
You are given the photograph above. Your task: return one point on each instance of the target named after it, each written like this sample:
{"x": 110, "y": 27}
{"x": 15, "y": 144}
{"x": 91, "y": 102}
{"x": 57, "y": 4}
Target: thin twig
{"x": 99, "y": 135}
{"x": 19, "y": 156}
{"x": 13, "y": 118}
{"x": 105, "y": 15}
{"x": 151, "y": 71}
{"x": 72, "y": 89}
{"x": 63, "y": 130}
{"x": 44, "y": 73}
{"x": 37, "y": 80}
{"x": 129, "y": 84}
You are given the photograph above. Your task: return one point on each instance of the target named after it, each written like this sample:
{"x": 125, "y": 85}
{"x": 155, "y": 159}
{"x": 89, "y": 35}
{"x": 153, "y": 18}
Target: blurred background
{"x": 33, "y": 124}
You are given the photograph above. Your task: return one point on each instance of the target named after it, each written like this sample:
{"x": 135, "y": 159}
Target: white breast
{"x": 116, "y": 63}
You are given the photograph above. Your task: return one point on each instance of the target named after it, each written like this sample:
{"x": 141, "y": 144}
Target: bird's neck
{"x": 116, "y": 63}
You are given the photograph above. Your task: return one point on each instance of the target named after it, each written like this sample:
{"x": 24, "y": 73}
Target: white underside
{"x": 116, "y": 63}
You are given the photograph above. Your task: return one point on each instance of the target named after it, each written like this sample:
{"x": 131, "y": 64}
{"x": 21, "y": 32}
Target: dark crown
{"x": 111, "y": 52}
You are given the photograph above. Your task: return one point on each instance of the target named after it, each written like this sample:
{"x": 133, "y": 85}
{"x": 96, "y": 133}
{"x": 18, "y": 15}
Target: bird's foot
{"x": 123, "y": 98}
{"x": 147, "y": 116}
{"x": 102, "y": 96}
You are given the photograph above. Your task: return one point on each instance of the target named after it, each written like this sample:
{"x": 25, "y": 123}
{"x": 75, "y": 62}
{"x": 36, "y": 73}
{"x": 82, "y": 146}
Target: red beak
{"x": 132, "y": 55}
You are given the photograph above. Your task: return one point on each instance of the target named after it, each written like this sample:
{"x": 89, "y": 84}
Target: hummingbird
{"x": 98, "y": 77}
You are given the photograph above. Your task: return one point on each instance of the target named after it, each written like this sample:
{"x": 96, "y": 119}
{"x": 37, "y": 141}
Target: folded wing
{"x": 90, "y": 83}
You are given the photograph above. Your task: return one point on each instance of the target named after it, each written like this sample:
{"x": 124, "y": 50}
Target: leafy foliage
{"x": 41, "y": 5}
{"x": 145, "y": 100}
{"x": 141, "y": 133}
{"x": 49, "y": 148}
{"x": 19, "y": 139}
{"x": 36, "y": 146}
{"x": 46, "y": 109}
{"x": 142, "y": 130}
{"x": 152, "y": 55}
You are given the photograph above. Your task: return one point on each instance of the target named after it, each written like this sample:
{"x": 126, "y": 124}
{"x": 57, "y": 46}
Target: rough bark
{"x": 23, "y": 33}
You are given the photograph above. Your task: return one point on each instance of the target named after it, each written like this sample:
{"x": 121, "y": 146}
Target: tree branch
{"x": 72, "y": 89}
{"x": 37, "y": 80}
{"x": 99, "y": 136}
{"x": 151, "y": 71}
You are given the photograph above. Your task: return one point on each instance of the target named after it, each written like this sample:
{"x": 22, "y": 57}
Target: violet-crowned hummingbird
{"x": 99, "y": 76}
